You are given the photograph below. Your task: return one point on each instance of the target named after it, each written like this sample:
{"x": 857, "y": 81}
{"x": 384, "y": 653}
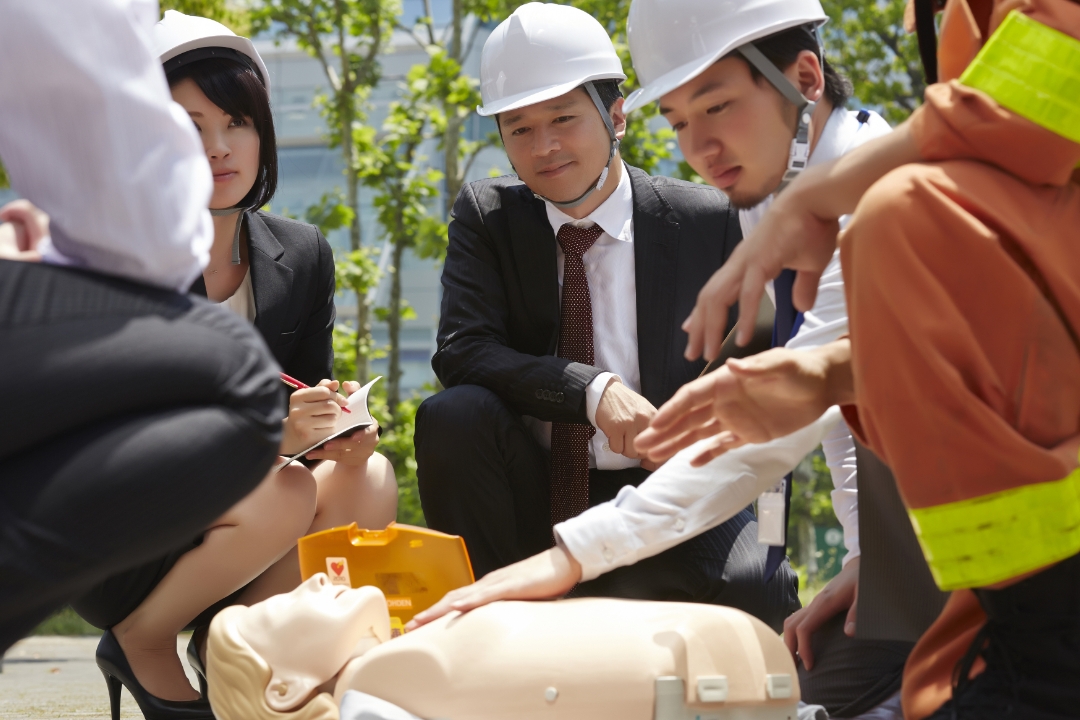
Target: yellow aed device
{"x": 413, "y": 566}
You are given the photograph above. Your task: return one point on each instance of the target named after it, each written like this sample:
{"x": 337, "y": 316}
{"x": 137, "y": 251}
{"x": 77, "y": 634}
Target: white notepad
{"x": 358, "y": 418}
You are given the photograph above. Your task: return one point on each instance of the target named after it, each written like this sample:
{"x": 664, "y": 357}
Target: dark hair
{"x": 783, "y": 48}
{"x": 236, "y": 88}
{"x": 609, "y": 91}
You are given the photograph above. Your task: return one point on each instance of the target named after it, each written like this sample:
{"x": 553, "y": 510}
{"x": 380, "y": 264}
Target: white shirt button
{"x": 609, "y": 555}
{"x": 605, "y": 447}
{"x": 679, "y": 523}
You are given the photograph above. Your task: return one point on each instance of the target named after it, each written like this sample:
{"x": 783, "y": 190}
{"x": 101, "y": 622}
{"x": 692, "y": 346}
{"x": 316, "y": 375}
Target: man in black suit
{"x": 563, "y": 291}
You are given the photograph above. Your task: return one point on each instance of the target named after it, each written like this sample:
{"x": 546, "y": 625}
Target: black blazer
{"x": 500, "y": 305}
{"x": 292, "y": 278}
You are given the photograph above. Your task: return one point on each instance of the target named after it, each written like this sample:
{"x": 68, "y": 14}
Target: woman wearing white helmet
{"x": 278, "y": 274}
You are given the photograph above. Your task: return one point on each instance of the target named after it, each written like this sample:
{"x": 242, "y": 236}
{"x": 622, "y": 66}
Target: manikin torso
{"x": 600, "y": 659}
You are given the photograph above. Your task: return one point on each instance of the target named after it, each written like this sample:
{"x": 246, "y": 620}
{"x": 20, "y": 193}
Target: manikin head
{"x": 265, "y": 661}
{"x": 550, "y": 76}
{"x": 743, "y": 84}
{"x": 221, "y": 81}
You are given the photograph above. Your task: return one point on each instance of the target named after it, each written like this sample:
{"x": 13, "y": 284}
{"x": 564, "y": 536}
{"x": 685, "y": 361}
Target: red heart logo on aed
{"x": 337, "y": 567}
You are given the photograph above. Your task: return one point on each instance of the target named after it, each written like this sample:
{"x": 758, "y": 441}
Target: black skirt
{"x": 114, "y": 599}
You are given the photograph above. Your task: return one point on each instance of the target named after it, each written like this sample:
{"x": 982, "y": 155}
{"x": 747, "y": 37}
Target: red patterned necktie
{"x": 570, "y": 441}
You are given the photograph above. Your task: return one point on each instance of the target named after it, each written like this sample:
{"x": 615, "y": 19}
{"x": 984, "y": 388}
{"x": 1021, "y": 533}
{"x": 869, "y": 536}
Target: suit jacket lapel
{"x": 656, "y": 245}
{"x": 271, "y": 280}
{"x": 533, "y": 244}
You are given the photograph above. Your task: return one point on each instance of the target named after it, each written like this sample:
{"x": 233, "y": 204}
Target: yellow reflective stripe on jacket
{"x": 1034, "y": 71}
{"x": 988, "y": 539}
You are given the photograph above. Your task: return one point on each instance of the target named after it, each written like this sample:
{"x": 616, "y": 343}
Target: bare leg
{"x": 250, "y": 537}
{"x": 365, "y": 495}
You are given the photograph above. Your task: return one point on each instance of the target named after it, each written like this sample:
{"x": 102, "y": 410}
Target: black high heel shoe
{"x": 118, "y": 675}
{"x": 196, "y": 662}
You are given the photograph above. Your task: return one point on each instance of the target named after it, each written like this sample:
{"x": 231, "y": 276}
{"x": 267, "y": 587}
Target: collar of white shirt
{"x": 615, "y": 216}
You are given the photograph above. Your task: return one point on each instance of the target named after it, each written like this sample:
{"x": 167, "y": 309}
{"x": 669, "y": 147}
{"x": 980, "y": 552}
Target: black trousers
{"x": 851, "y": 676}
{"x": 1031, "y": 646}
{"x": 131, "y": 418}
{"x": 483, "y": 476}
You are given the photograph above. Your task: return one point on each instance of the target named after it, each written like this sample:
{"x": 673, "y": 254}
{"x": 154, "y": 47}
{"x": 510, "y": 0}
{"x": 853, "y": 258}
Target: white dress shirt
{"x": 609, "y": 270}
{"x": 89, "y": 133}
{"x": 678, "y": 501}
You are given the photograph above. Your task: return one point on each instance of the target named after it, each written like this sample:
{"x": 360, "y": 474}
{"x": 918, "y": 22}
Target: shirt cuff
{"x": 598, "y": 539}
{"x": 594, "y": 391}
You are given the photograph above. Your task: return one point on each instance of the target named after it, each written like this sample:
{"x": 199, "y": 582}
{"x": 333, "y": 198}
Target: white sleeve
{"x": 89, "y": 133}
{"x": 824, "y": 323}
{"x": 678, "y": 501}
{"x": 594, "y": 391}
{"x": 839, "y": 449}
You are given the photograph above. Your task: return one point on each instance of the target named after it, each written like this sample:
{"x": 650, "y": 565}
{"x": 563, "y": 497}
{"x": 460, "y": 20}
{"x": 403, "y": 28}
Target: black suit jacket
{"x": 500, "y": 305}
{"x": 292, "y": 278}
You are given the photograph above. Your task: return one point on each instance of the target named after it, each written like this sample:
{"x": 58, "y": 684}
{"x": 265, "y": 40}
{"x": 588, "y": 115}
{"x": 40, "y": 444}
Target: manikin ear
{"x": 808, "y": 75}
{"x": 618, "y": 117}
{"x": 285, "y": 692}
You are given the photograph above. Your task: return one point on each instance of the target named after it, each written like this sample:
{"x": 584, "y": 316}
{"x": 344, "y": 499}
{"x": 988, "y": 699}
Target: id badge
{"x": 772, "y": 528}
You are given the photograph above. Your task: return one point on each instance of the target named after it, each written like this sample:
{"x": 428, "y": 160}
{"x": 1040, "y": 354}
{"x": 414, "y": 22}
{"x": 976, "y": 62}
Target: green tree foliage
{"x": 230, "y": 14}
{"x": 406, "y": 191}
{"x": 346, "y": 38}
{"x": 4, "y": 182}
{"x": 811, "y": 508}
{"x": 867, "y": 41}
{"x": 396, "y": 442}
{"x": 357, "y": 273}
{"x": 648, "y": 139}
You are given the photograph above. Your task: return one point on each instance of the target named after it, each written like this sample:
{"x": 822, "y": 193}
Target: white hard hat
{"x": 178, "y": 33}
{"x": 543, "y": 51}
{"x": 674, "y": 41}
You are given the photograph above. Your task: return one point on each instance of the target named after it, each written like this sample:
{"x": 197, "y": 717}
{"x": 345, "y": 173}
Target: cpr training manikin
{"x": 324, "y": 652}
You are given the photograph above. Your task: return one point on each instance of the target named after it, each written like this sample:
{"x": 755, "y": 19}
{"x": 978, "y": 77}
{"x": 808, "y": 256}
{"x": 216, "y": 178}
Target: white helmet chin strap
{"x": 800, "y": 144}
{"x": 236, "y": 237}
{"x": 606, "y": 116}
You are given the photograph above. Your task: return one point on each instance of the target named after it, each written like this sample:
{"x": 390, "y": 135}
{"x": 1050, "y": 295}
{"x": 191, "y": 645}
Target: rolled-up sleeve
{"x": 679, "y": 501}
{"x": 89, "y": 133}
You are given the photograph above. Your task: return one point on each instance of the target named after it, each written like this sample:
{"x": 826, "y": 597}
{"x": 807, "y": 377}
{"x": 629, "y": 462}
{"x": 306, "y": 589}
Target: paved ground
{"x": 50, "y": 677}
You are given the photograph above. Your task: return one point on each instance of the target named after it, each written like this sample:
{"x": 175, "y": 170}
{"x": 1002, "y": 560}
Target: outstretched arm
{"x": 798, "y": 232}
{"x": 752, "y": 400}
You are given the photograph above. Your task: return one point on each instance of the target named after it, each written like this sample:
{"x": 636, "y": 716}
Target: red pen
{"x": 297, "y": 385}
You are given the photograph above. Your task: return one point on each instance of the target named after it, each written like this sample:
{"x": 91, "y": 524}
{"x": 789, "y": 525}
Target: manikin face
{"x": 309, "y": 634}
{"x": 735, "y": 131}
{"x": 559, "y": 147}
{"x": 231, "y": 144}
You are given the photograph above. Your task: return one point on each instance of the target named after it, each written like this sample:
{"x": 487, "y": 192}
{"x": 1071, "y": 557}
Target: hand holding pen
{"x": 313, "y": 414}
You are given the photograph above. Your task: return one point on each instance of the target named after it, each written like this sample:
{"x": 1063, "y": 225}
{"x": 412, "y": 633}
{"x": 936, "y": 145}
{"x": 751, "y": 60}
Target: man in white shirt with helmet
{"x": 563, "y": 288}
{"x": 753, "y": 102}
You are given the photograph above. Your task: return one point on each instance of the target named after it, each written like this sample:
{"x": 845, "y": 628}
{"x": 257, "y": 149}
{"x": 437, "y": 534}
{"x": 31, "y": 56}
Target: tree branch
{"x": 428, "y": 21}
{"x": 412, "y": 33}
{"x": 486, "y": 143}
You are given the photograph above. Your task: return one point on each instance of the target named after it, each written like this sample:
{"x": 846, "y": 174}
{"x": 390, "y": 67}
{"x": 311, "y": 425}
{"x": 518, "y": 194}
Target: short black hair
{"x": 608, "y": 90}
{"x": 236, "y": 88}
{"x": 783, "y": 48}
